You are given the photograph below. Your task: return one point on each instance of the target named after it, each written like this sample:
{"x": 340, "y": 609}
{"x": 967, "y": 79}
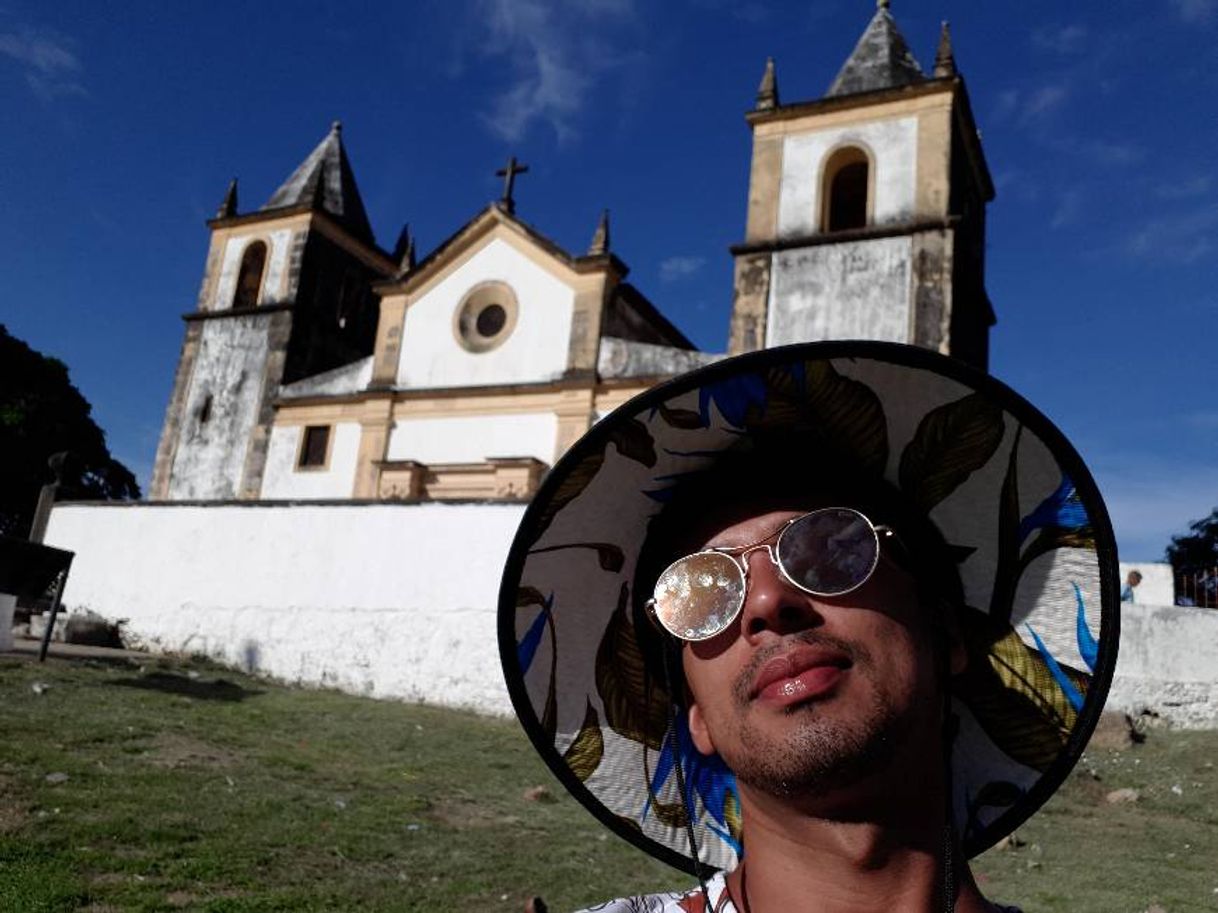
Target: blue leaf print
{"x": 1063, "y": 509}
{"x": 527, "y": 648}
{"x": 705, "y": 776}
{"x": 1063, "y": 682}
{"x": 1088, "y": 648}
{"x": 732, "y": 397}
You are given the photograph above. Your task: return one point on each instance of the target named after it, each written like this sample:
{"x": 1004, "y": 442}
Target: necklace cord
{"x": 686, "y": 799}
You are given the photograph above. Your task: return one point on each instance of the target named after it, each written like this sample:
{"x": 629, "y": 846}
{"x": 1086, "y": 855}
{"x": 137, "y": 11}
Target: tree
{"x": 1195, "y": 556}
{"x": 42, "y": 414}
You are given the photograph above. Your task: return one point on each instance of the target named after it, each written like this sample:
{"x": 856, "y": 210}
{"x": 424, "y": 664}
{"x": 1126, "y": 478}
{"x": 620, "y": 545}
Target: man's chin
{"x": 803, "y": 750}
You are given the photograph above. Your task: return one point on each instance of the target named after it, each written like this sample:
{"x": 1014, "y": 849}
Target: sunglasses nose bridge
{"x": 743, "y": 557}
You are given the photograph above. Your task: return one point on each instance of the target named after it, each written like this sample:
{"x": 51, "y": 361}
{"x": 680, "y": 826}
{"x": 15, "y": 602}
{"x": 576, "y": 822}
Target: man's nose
{"x": 771, "y": 602}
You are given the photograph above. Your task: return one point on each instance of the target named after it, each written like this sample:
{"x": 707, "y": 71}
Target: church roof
{"x": 325, "y": 180}
{"x": 880, "y": 60}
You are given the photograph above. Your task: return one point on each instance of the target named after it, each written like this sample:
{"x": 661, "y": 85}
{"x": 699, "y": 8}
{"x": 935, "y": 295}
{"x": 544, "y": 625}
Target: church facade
{"x": 319, "y": 365}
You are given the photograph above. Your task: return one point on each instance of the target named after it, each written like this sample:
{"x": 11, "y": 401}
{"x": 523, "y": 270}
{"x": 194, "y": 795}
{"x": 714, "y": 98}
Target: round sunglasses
{"x": 827, "y": 552}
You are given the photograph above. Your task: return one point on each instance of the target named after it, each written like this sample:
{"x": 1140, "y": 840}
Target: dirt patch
{"x": 176, "y": 750}
{"x": 467, "y": 815}
{"x": 14, "y": 810}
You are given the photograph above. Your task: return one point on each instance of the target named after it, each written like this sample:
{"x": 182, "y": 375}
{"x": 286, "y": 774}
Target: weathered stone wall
{"x": 1168, "y": 664}
{"x": 374, "y": 599}
{"x": 229, "y": 367}
{"x": 849, "y": 290}
{"x": 892, "y": 148}
{"x": 628, "y": 358}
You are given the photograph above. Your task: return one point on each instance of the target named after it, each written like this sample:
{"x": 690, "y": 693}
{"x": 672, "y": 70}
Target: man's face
{"x": 807, "y": 695}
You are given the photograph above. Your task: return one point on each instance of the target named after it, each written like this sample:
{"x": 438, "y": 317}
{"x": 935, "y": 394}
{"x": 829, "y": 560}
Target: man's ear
{"x": 698, "y": 732}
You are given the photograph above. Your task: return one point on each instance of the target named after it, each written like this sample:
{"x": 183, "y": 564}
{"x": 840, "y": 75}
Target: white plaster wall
{"x": 1158, "y": 586}
{"x": 1168, "y": 664}
{"x": 535, "y": 351}
{"x": 210, "y": 456}
{"x": 894, "y": 148}
{"x": 282, "y": 479}
{"x": 473, "y": 438}
{"x": 278, "y": 243}
{"x": 345, "y": 379}
{"x": 373, "y": 599}
{"x": 855, "y": 290}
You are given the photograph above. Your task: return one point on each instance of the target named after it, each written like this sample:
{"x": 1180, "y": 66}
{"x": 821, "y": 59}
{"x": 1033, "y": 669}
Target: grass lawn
{"x": 180, "y": 786}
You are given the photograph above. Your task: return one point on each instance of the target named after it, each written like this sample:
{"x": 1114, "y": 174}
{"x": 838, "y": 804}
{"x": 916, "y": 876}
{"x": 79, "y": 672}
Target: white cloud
{"x": 1195, "y": 10}
{"x": 676, "y": 268}
{"x": 1183, "y": 237}
{"x": 1069, "y": 208}
{"x": 1066, "y": 39}
{"x": 1185, "y": 188}
{"x": 555, "y": 52}
{"x": 1206, "y": 420}
{"x": 50, "y": 67}
{"x": 1043, "y": 101}
{"x": 1029, "y": 107}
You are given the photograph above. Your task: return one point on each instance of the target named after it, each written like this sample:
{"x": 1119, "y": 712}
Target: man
{"x": 789, "y": 675}
{"x": 1131, "y": 583}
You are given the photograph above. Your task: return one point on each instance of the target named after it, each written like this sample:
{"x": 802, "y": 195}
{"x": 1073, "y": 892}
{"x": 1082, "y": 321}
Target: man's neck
{"x": 796, "y": 862}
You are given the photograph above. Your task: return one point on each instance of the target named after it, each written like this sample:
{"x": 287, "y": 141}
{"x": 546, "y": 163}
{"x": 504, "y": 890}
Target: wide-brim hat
{"x": 1011, "y": 498}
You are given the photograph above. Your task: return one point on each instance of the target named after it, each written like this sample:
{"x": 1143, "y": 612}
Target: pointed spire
{"x": 600, "y": 238}
{"x": 403, "y": 251}
{"x": 229, "y": 206}
{"x": 767, "y": 92}
{"x": 945, "y": 59}
{"x": 315, "y": 188}
{"x": 324, "y": 180}
{"x": 880, "y": 60}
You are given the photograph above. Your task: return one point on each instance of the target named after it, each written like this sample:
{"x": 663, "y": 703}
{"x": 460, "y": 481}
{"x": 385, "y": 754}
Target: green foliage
{"x": 1198, "y": 549}
{"x": 42, "y": 414}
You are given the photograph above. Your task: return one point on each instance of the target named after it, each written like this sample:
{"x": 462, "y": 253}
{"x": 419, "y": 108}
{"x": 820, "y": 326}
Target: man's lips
{"x": 799, "y": 674}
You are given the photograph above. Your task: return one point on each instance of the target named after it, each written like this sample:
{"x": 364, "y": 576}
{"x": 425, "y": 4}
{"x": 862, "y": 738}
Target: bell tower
{"x": 286, "y": 293}
{"x": 866, "y": 208}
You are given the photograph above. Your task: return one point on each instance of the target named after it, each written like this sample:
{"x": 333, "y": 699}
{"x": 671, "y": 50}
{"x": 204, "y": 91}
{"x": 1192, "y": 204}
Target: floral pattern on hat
{"x": 1009, "y": 495}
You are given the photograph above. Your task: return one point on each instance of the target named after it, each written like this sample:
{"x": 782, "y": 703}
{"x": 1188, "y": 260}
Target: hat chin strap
{"x": 949, "y": 738}
{"x": 686, "y": 801}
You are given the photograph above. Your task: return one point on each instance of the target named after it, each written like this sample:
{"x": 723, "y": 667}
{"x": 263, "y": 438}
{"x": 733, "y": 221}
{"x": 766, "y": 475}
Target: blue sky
{"x": 124, "y": 123}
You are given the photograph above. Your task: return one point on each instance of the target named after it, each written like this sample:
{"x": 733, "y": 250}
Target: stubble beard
{"x": 823, "y": 752}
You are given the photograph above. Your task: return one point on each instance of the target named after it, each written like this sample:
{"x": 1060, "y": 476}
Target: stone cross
{"x": 509, "y": 181}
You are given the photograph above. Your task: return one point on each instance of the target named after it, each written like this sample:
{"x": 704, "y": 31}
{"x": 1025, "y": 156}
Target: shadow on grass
{"x": 199, "y": 689}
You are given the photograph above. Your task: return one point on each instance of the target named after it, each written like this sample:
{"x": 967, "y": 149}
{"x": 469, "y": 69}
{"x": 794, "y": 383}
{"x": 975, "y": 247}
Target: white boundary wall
{"x": 398, "y": 600}
{"x": 1168, "y": 664}
{"x": 381, "y": 599}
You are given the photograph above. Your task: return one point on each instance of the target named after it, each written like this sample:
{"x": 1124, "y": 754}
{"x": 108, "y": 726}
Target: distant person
{"x": 1131, "y": 584}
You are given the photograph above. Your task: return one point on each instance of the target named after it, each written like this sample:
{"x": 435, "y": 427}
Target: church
{"x": 354, "y": 432}
{"x": 319, "y": 365}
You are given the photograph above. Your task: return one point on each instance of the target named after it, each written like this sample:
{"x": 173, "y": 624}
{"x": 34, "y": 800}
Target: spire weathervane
{"x": 509, "y": 181}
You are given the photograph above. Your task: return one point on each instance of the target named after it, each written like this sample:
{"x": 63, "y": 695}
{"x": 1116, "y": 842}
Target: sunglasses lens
{"x": 830, "y": 551}
{"x": 699, "y": 595}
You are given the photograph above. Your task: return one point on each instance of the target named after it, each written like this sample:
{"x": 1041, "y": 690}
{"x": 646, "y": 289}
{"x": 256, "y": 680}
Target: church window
{"x": 485, "y": 317}
{"x": 205, "y": 410}
{"x": 249, "y": 279}
{"x": 314, "y": 447}
{"x": 846, "y": 189}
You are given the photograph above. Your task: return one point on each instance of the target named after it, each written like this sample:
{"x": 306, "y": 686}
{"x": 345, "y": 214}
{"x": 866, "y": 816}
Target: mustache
{"x": 858, "y": 655}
